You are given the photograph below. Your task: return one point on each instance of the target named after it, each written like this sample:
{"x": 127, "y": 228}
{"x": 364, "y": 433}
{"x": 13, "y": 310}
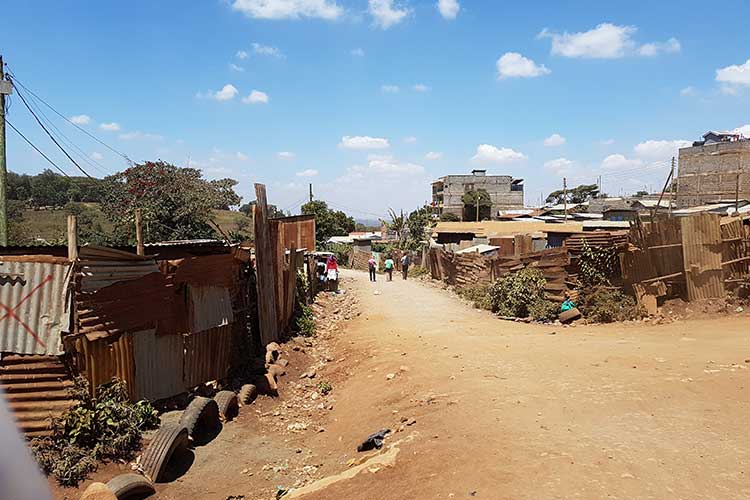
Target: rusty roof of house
{"x": 492, "y": 228}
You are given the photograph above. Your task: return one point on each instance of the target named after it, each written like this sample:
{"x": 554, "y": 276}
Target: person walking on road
{"x": 389, "y": 264}
{"x": 332, "y": 273}
{"x": 372, "y": 266}
{"x": 405, "y": 262}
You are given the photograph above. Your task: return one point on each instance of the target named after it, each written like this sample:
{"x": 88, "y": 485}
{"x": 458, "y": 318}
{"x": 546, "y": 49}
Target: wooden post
{"x": 72, "y": 238}
{"x": 139, "y": 248}
{"x": 291, "y": 284}
{"x": 565, "y": 199}
{"x": 264, "y": 258}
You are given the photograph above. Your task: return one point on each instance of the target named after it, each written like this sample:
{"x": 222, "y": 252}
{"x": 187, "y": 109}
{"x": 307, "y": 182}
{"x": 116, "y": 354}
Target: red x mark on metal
{"x": 11, "y": 312}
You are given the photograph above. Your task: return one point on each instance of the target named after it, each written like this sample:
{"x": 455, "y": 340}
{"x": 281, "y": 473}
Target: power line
{"x": 123, "y": 155}
{"x": 50, "y": 135}
{"x": 37, "y": 149}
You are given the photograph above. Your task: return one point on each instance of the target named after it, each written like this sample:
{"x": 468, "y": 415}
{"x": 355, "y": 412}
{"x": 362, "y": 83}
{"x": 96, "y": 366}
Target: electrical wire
{"x": 37, "y": 149}
{"x": 49, "y": 134}
{"x": 119, "y": 153}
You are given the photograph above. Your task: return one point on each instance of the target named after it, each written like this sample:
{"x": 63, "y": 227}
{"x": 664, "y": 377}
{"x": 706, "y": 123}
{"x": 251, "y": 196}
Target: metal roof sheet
{"x": 34, "y": 306}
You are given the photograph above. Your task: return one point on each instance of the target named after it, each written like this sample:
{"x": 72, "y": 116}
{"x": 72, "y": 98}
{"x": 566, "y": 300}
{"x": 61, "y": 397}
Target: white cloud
{"x": 138, "y": 135}
{"x": 357, "y": 52}
{"x": 448, "y": 8}
{"x": 606, "y": 41}
{"x": 386, "y": 13}
{"x": 659, "y": 150}
{"x": 256, "y": 97}
{"x": 288, "y": 9}
{"x": 688, "y": 91}
{"x": 267, "y": 50}
{"x": 514, "y": 65}
{"x": 607, "y": 142}
{"x": 285, "y": 155}
{"x": 310, "y": 172}
{"x": 618, "y": 161}
{"x": 559, "y": 166}
{"x": 96, "y": 156}
{"x": 241, "y": 156}
{"x": 389, "y": 89}
{"x": 80, "y": 119}
{"x": 744, "y": 130}
{"x": 363, "y": 142}
{"x": 554, "y": 140}
{"x": 227, "y": 93}
{"x": 421, "y": 87}
{"x": 487, "y": 153}
{"x": 410, "y": 139}
{"x": 241, "y": 54}
{"x": 110, "y": 127}
{"x": 734, "y": 76}
{"x": 671, "y": 46}
{"x": 433, "y": 155}
{"x": 235, "y": 67}
{"x": 387, "y": 165}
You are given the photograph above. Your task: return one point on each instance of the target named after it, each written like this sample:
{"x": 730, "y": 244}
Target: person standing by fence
{"x": 372, "y": 266}
{"x": 389, "y": 264}
{"x": 405, "y": 262}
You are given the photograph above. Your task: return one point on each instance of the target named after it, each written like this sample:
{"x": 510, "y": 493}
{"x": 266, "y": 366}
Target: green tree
{"x": 579, "y": 194}
{"x": 273, "y": 210}
{"x": 477, "y": 204}
{"x": 397, "y": 224}
{"x": 328, "y": 222}
{"x": 417, "y": 223}
{"x": 226, "y": 197}
{"x": 639, "y": 194}
{"x": 49, "y": 189}
{"x": 175, "y": 202}
{"x": 449, "y": 217}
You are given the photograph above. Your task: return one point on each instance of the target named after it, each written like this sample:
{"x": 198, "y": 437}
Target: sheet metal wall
{"x": 158, "y": 365}
{"x": 207, "y": 355}
{"x": 297, "y": 231}
{"x": 701, "y": 249}
{"x": 96, "y": 274}
{"x": 210, "y": 307}
{"x": 109, "y": 357}
{"x": 34, "y": 305}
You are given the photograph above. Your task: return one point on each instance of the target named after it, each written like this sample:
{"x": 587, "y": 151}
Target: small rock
{"x": 739, "y": 309}
{"x": 390, "y": 376}
{"x": 297, "y": 426}
{"x": 404, "y": 368}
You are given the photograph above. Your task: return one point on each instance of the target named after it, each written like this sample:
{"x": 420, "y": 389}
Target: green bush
{"x": 604, "y": 305}
{"x": 513, "y": 294}
{"x": 417, "y": 271}
{"x": 342, "y": 251}
{"x": 106, "y": 427}
{"x": 477, "y": 295}
{"x": 596, "y": 266}
{"x": 544, "y": 310}
{"x": 324, "y": 388}
{"x": 450, "y": 217}
{"x": 305, "y": 322}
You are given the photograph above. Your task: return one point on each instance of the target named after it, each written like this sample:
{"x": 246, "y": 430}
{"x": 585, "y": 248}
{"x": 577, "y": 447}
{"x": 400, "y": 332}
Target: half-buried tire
{"x": 228, "y": 405}
{"x": 169, "y": 439}
{"x": 201, "y": 419}
{"x": 131, "y": 487}
{"x": 247, "y": 394}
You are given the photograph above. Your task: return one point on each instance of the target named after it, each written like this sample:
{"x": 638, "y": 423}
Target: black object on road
{"x": 374, "y": 441}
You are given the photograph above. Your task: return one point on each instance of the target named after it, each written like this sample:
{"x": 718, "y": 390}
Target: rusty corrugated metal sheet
{"x": 158, "y": 365}
{"x": 96, "y": 274}
{"x": 210, "y": 307}
{"x": 36, "y": 389}
{"x": 107, "y": 358}
{"x": 34, "y": 305}
{"x": 207, "y": 355}
{"x": 701, "y": 250}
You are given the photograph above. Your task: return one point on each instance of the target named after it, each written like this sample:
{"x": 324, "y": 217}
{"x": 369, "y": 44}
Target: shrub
{"x": 604, "y": 305}
{"x": 417, "y": 271}
{"x": 450, "y": 217}
{"x": 543, "y": 310}
{"x": 477, "y": 295}
{"x": 106, "y": 427}
{"x": 324, "y": 388}
{"x": 596, "y": 265}
{"x": 341, "y": 251}
{"x": 513, "y": 294}
{"x": 305, "y": 322}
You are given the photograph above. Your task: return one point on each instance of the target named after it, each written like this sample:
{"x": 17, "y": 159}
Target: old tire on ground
{"x": 131, "y": 487}
{"x": 201, "y": 415}
{"x": 228, "y": 405}
{"x": 168, "y": 439}
{"x": 98, "y": 491}
{"x": 247, "y": 394}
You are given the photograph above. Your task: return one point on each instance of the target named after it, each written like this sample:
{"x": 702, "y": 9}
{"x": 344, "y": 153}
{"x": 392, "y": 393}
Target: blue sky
{"x": 370, "y": 100}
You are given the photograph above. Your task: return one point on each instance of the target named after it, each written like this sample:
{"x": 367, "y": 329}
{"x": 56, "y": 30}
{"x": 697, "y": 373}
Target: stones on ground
{"x": 297, "y": 427}
{"x": 308, "y": 374}
{"x": 282, "y": 362}
{"x": 390, "y": 376}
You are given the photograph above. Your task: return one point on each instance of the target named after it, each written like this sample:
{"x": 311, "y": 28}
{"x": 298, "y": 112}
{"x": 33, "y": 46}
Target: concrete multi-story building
{"x": 716, "y": 168}
{"x": 505, "y": 192}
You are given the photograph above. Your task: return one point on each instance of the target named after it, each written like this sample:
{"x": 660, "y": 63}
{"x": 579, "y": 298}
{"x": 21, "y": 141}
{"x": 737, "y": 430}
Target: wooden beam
{"x": 264, "y": 258}
{"x": 734, "y": 261}
{"x": 72, "y": 238}
{"x": 139, "y": 248}
{"x": 291, "y": 283}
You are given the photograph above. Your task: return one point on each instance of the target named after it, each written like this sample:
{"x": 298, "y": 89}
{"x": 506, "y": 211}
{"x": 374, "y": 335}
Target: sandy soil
{"x": 493, "y": 409}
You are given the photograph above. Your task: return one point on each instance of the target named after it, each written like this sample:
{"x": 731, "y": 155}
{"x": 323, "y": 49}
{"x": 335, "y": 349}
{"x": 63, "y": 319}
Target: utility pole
{"x": 737, "y": 195}
{"x": 5, "y": 88}
{"x": 672, "y": 199}
{"x": 477, "y": 208}
{"x": 139, "y": 247}
{"x": 311, "y": 195}
{"x": 565, "y": 199}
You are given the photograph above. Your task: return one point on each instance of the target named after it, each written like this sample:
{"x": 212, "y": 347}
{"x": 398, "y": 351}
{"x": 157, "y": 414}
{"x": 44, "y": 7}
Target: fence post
{"x": 264, "y": 259}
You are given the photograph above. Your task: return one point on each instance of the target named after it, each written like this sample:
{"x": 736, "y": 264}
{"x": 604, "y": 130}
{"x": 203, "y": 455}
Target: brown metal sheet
{"x": 37, "y": 389}
{"x": 701, "y": 249}
{"x": 158, "y": 365}
{"x": 34, "y": 306}
{"x": 96, "y": 274}
{"x": 210, "y": 307}
{"x": 216, "y": 270}
{"x": 107, "y": 358}
{"x": 207, "y": 355}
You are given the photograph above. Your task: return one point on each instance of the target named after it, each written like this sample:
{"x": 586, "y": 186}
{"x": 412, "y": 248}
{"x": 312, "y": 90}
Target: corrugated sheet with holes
{"x": 36, "y": 389}
{"x": 158, "y": 365}
{"x": 210, "y": 307}
{"x": 34, "y": 306}
{"x": 207, "y": 355}
{"x": 107, "y": 358}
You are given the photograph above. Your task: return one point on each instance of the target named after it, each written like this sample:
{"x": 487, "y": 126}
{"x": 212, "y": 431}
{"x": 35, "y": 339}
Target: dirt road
{"x": 500, "y": 410}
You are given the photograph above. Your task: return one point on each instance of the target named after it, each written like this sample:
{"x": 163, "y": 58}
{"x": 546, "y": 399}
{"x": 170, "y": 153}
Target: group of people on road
{"x": 389, "y": 266}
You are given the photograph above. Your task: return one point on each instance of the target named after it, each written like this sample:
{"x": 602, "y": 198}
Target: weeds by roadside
{"x": 605, "y": 305}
